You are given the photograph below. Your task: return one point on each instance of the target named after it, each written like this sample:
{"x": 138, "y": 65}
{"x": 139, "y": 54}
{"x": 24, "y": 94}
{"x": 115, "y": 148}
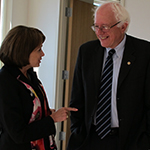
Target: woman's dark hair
{"x": 18, "y": 45}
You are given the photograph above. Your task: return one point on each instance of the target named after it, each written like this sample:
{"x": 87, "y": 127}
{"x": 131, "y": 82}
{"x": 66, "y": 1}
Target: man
{"x": 126, "y": 126}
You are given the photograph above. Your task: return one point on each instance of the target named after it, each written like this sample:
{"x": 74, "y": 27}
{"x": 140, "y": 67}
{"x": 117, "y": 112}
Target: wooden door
{"x": 79, "y": 32}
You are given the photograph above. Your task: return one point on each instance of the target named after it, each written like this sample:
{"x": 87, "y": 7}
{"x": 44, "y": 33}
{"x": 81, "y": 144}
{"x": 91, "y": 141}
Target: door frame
{"x": 61, "y": 60}
{"x": 66, "y": 55}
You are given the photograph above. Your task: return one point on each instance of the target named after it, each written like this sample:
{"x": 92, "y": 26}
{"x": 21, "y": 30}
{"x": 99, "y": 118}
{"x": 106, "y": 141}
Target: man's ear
{"x": 124, "y": 27}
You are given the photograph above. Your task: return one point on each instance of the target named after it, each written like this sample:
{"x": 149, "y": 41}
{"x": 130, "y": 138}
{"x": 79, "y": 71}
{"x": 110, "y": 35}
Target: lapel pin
{"x": 129, "y": 63}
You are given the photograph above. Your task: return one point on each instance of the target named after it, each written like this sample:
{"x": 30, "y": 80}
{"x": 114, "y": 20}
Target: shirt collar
{"x": 119, "y": 48}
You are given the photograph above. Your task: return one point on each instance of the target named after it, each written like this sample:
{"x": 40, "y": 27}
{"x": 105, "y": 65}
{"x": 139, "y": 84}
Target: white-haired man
{"x": 111, "y": 87}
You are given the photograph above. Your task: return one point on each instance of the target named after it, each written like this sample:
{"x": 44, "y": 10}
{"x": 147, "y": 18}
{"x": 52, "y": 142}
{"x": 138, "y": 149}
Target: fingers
{"x": 62, "y": 114}
{"x": 67, "y": 110}
{"x": 71, "y": 109}
{"x": 52, "y": 110}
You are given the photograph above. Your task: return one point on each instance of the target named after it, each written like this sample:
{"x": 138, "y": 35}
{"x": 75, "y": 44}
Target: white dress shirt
{"x": 117, "y": 59}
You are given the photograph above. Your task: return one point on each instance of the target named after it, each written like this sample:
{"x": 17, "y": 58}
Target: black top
{"x": 16, "y": 107}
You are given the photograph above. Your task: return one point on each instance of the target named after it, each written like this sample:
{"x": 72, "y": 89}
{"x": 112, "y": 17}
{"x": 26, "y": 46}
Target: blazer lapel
{"x": 127, "y": 61}
{"x": 98, "y": 63}
{"x": 98, "y": 54}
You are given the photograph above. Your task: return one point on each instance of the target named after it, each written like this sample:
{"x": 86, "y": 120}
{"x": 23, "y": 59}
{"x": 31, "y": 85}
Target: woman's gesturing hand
{"x": 62, "y": 113}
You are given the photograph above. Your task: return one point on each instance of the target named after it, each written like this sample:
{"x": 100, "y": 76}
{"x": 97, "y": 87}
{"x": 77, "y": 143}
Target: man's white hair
{"x": 120, "y": 13}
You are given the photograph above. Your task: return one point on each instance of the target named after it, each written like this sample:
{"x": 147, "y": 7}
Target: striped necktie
{"x": 103, "y": 113}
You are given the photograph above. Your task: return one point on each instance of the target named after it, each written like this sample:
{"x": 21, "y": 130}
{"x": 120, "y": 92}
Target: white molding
{"x": 103, "y": 1}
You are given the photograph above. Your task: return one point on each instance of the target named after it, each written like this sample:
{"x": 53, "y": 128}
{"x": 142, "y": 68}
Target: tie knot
{"x": 111, "y": 52}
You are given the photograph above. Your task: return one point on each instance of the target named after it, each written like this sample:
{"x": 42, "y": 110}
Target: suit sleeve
{"x": 147, "y": 98}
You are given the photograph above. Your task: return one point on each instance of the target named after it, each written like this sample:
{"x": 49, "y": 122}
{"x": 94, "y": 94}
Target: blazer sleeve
{"x": 147, "y": 98}
{"x": 16, "y": 107}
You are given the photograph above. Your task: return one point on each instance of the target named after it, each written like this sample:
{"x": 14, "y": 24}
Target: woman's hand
{"x": 61, "y": 114}
{"x": 52, "y": 110}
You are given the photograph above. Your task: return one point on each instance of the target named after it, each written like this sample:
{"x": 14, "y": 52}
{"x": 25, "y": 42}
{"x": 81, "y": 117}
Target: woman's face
{"x": 36, "y": 56}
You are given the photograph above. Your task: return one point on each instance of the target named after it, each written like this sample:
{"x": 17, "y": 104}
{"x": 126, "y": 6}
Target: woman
{"x": 26, "y": 122}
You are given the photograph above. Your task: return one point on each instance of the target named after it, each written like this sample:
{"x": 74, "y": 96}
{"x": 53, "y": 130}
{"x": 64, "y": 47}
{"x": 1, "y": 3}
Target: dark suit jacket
{"x": 133, "y": 94}
{"x": 16, "y": 107}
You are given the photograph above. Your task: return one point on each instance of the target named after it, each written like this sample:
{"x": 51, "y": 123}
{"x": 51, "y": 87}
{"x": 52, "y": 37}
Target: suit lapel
{"x": 127, "y": 61}
{"x": 98, "y": 63}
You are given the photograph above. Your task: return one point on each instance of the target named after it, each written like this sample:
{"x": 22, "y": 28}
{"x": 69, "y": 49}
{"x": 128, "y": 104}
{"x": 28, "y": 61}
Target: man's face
{"x": 114, "y": 36}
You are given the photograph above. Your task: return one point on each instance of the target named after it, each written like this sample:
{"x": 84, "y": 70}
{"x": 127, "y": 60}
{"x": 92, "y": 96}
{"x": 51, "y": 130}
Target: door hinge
{"x": 62, "y": 136}
{"x": 68, "y": 12}
{"x": 65, "y": 74}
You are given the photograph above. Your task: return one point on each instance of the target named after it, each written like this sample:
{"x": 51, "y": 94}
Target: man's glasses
{"x": 103, "y": 28}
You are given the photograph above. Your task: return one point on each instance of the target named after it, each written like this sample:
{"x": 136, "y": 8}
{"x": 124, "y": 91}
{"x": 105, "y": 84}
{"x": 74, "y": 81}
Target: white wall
{"x": 19, "y": 12}
{"x": 42, "y": 14}
{"x": 139, "y": 11}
